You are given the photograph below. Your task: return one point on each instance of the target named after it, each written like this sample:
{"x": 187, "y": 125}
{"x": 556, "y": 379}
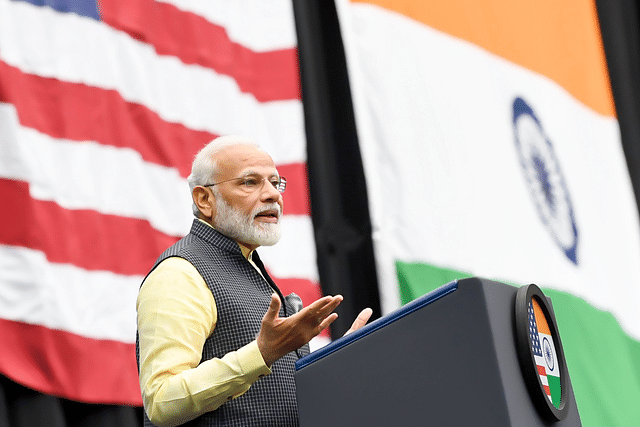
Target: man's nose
{"x": 269, "y": 192}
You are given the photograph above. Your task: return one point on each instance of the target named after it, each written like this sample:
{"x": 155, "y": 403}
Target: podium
{"x": 449, "y": 358}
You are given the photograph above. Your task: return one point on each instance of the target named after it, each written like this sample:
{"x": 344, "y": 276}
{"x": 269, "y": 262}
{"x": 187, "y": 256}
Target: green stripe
{"x": 554, "y": 387}
{"x": 417, "y": 279}
{"x": 603, "y": 361}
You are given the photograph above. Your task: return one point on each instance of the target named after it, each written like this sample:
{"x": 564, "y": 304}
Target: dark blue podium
{"x": 449, "y": 358}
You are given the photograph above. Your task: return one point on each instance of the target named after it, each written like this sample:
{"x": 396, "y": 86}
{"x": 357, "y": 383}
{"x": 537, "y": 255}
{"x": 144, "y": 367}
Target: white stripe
{"x": 87, "y": 175}
{"x": 100, "y": 304}
{"x": 116, "y": 181}
{"x": 539, "y": 361}
{"x": 294, "y": 256}
{"x": 257, "y": 24}
{"x": 318, "y": 342}
{"x": 68, "y": 47}
{"x": 92, "y": 304}
{"x": 445, "y": 183}
{"x": 552, "y": 368}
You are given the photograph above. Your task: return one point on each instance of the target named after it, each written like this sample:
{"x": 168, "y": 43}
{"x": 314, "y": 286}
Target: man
{"x": 217, "y": 339}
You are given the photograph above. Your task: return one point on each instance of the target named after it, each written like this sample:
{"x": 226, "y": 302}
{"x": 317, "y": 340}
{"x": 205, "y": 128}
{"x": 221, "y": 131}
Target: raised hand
{"x": 281, "y": 335}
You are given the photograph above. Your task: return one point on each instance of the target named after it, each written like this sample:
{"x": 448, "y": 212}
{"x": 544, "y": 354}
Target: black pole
{"x": 620, "y": 28}
{"x": 339, "y": 204}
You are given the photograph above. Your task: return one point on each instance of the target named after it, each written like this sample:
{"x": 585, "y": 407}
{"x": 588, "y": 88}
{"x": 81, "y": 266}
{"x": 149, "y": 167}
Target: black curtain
{"x": 23, "y": 407}
{"x": 620, "y": 27}
{"x": 339, "y": 204}
{"x": 338, "y": 192}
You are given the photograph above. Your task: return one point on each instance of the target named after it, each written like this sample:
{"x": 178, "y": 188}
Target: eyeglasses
{"x": 253, "y": 183}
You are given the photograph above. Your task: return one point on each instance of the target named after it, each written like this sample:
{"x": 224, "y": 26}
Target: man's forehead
{"x": 240, "y": 158}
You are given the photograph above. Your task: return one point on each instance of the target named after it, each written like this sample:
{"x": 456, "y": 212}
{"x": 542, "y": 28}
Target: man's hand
{"x": 279, "y": 336}
{"x": 361, "y": 320}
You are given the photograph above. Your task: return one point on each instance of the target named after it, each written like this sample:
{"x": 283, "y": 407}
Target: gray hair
{"x": 204, "y": 166}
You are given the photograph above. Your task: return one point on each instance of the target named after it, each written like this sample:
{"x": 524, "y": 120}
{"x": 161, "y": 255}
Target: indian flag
{"x": 544, "y": 353}
{"x": 491, "y": 148}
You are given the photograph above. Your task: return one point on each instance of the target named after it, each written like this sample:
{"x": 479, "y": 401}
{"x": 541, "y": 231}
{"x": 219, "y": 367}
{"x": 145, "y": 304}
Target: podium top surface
{"x": 377, "y": 324}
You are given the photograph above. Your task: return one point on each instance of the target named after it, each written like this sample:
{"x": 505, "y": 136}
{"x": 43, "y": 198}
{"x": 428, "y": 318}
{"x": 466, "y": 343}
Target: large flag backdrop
{"x": 103, "y": 105}
{"x": 491, "y": 147}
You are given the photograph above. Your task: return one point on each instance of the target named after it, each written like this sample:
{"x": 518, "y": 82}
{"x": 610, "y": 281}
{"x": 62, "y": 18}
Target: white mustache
{"x": 270, "y": 207}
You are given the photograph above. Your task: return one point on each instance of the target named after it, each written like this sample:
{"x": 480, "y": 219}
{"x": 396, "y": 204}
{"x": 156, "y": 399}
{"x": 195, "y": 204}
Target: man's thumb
{"x": 274, "y": 308}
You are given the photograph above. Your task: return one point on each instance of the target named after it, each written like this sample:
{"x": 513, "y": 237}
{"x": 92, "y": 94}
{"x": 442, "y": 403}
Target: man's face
{"x": 250, "y": 215}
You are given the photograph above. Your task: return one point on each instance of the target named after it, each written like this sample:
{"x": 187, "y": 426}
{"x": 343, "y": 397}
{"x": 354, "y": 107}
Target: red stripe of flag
{"x": 296, "y": 196}
{"x": 84, "y": 369}
{"x": 85, "y": 113}
{"x": 84, "y": 238}
{"x": 69, "y": 365}
{"x": 542, "y": 371}
{"x": 269, "y": 76}
{"x": 78, "y": 112}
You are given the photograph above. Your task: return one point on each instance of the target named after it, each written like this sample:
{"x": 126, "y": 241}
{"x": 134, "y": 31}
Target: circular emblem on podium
{"x": 540, "y": 353}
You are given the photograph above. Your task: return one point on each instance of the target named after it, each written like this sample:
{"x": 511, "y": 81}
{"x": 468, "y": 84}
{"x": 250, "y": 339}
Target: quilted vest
{"x": 242, "y": 297}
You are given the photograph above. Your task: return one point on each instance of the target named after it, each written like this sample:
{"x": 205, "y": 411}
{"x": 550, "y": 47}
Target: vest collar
{"x": 209, "y": 234}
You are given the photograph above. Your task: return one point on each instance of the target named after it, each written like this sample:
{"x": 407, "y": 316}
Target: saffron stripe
{"x": 568, "y": 30}
{"x": 541, "y": 320}
{"x": 68, "y": 365}
{"x": 268, "y": 76}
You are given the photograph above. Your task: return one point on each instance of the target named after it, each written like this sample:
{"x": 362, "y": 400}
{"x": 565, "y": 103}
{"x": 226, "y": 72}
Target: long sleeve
{"x": 176, "y": 314}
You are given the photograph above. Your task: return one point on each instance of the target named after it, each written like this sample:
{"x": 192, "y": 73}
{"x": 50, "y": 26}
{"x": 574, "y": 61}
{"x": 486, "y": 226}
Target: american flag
{"x": 103, "y": 105}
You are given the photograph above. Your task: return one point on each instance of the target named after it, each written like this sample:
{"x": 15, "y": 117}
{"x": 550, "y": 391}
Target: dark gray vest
{"x": 242, "y": 297}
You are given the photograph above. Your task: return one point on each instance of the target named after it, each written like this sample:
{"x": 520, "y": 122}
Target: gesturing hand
{"x": 281, "y": 335}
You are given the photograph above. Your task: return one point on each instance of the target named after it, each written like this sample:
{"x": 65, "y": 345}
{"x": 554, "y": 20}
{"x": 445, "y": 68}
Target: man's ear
{"x": 205, "y": 201}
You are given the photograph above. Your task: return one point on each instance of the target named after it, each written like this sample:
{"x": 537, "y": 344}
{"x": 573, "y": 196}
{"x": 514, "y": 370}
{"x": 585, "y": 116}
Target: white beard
{"x": 234, "y": 224}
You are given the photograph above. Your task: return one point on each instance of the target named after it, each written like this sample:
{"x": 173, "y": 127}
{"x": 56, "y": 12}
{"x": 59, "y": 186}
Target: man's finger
{"x": 361, "y": 320}
{"x": 320, "y": 308}
{"x": 274, "y": 308}
{"x": 327, "y": 321}
{"x": 329, "y": 305}
{"x": 363, "y": 317}
{"x": 320, "y": 303}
